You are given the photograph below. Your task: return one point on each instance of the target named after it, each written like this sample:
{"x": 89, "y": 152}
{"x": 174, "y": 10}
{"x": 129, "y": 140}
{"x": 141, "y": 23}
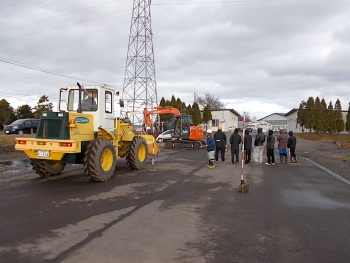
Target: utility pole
{"x": 139, "y": 89}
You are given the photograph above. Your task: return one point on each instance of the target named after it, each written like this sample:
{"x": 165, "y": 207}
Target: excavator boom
{"x": 158, "y": 110}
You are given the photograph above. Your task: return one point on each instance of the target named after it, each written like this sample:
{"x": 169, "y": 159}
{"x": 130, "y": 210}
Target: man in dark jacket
{"x": 211, "y": 149}
{"x": 247, "y": 146}
{"x": 235, "y": 140}
{"x": 220, "y": 142}
{"x": 291, "y": 144}
{"x": 270, "y": 148}
{"x": 259, "y": 147}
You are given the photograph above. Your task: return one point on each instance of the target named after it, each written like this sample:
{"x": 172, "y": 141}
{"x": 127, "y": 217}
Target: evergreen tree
{"x": 162, "y": 118}
{"x": 196, "y": 114}
{"x": 183, "y": 107}
{"x": 7, "y": 114}
{"x": 319, "y": 119}
{"x": 207, "y": 116}
{"x": 338, "y": 117}
{"x": 310, "y": 114}
{"x": 301, "y": 115}
{"x": 325, "y": 113}
{"x": 348, "y": 120}
{"x": 178, "y": 104}
{"x": 162, "y": 102}
{"x": 173, "y": 102}
{"x": 330, "y": 119}
{"x": 40, "y": 108}
{"x": 24, "y": 112}
{"x": 189, "y": 110}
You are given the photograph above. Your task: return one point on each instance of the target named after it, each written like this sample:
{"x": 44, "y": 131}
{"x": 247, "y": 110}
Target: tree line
{"x": 8, "y": 114}
{"x": 317, "y": 116}
{"x": 193, "y": 110}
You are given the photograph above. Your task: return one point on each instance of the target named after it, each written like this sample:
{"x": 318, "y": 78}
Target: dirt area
{"x": 329, "y": 155}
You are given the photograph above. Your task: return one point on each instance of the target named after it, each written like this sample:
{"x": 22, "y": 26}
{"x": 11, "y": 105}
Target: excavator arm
{"x": 158, "y": 110}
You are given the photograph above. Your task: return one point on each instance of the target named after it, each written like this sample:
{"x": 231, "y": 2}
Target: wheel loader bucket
{"x": 151, "y": 145}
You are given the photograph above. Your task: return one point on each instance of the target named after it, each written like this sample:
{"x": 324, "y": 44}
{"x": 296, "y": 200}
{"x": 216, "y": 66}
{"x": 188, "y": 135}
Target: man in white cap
{"x": 211, "y": 149}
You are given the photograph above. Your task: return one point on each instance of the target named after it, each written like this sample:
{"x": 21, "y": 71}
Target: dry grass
{"x": 344, "y": 138}
{"x": 9, "y": 140}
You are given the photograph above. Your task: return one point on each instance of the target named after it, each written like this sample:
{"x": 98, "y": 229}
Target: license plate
{"x": 7, "y": 131}
{"x": 43, "y": 153}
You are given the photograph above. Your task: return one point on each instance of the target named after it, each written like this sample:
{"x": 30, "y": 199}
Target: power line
{"x": 8, "y": 61}
{"x": 33, "y": 74}
{"x": 32, "y": 9}
{"x": 80, "y": 10}
{"x": 66, "y": 26}
{"x": 14, "y": 4}
{"x": 219, "y": 2}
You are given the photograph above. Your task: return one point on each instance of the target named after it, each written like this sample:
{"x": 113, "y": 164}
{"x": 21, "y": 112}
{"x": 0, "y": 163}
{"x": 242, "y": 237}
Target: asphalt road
{"x": 182, "y": 212}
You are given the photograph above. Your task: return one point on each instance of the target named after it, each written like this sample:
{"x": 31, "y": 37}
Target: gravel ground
{"x": 328, "y": 155}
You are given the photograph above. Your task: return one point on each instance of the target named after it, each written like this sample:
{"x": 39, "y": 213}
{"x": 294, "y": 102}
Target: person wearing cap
{"x": 220, "y": 142}
{"x": 211, "y": 149}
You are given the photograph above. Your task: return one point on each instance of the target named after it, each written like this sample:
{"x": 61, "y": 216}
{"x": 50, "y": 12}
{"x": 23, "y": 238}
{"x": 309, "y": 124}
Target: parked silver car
{"x": 164, "y": 136}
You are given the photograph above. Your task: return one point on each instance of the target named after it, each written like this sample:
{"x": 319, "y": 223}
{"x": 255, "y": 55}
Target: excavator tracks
{"x": 185, "y": 144}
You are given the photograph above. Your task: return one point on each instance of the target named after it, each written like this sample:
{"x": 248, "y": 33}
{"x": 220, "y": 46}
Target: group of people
{"x": 218, "y": 143}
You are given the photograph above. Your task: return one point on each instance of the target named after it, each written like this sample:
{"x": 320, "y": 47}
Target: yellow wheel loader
{"x": 85, "y": 131}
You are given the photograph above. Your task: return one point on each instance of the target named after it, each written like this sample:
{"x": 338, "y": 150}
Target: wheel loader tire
{"x": 45, "y": 168}
{"x": 99, "y": 160}
{"x": 136, "y": 153}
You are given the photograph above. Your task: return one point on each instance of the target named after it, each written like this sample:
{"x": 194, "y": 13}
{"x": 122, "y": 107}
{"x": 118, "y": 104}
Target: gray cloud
{"x": 260, "y": 57}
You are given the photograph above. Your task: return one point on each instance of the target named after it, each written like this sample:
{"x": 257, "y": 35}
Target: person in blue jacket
{"x": 211, "y": 149}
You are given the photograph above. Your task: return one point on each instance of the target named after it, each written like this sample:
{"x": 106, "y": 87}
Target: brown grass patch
{"x": 344, "y": 138}
{"x": 340, "y": 157}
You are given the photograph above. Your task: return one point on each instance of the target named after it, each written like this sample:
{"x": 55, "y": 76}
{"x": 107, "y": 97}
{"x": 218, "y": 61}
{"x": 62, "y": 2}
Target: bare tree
{"x": 247, "y": 117}
{"x": 213, "y": 102}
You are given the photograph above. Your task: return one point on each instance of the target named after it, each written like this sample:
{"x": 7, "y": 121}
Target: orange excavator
{"x": 184, "y": 134}
{"x": 158, "y": 110}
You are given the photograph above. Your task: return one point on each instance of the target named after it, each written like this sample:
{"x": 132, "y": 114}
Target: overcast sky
{"x": 259, "y": 57}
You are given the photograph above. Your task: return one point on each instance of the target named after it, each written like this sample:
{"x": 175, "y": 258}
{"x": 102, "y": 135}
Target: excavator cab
{"x": 181, "y": 127}
{"x": 184, "y": 134}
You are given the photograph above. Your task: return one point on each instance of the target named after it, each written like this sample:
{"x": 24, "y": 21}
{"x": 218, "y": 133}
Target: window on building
{"x": 215, "y": 123}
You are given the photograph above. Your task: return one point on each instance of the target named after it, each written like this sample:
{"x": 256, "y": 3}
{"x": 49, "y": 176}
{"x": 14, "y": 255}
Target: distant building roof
{"x": 281, "y": 114}
{"x": 291, "y": 111}
{"x": 231, "y": 110}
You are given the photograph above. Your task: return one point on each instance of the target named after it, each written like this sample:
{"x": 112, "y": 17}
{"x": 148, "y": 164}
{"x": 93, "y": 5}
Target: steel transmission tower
{"x": 139, "y": 90}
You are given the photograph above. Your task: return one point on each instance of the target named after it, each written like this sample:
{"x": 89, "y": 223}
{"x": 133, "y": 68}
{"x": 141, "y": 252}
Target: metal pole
{"x": 242, "y": 177}
{"x": 153, "y": 154}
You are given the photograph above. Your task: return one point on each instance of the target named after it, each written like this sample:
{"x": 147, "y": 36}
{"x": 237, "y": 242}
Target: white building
{"x": 265, "y": 126}
{"x": 278, "y": 121}
{"x": 227, "y": 118}
{"x": 292, "y": 124}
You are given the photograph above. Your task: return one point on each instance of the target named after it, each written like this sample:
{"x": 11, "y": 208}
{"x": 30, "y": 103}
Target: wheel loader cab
{"x": 95, "y": 100}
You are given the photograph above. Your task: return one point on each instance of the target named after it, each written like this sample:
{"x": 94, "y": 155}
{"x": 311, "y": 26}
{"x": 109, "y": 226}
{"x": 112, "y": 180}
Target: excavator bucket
{"x": 152, "y": 145}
